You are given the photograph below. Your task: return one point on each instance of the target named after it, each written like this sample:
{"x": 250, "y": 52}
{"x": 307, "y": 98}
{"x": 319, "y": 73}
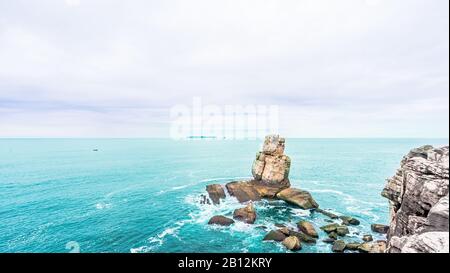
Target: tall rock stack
{"x": 418, "y": 195}
{"x": 271, "y": 165}
{"x": 270, "y": 172}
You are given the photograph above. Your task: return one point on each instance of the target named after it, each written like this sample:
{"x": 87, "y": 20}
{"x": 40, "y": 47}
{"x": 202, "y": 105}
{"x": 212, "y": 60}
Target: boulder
{"x": 303, "y": 237}
{"x": 330, "y": 228}
{"x": 220, "y": 220}
{"x": 246, "y": 214}
{"x": 379, "y": 228}
{"x": 353, "y": 246}
{"x": 215, "y": 192}
{"x": 297, "y": 197}
{"x": 274, "y": 235}
{"x": 367, "y": 238}
{"x": 243, "y": 191}
{"x": 292, "y": 243}
{"x": 338, "y": 246}
{"x": 307, "y": 228}
{"x": 373, "y": 247}
{"x": 342, "y": 230}
{"x": 333, "y": 235}
{"x": 347, "y": 220}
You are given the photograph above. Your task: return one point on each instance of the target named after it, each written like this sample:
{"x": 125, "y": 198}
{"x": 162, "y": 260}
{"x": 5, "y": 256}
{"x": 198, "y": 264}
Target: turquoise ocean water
{"x": 141, "y": 195}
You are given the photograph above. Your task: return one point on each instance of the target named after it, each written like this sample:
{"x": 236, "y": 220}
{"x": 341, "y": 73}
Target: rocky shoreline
{"x": 418, "y": 198}
{"x": 270, "y": 172}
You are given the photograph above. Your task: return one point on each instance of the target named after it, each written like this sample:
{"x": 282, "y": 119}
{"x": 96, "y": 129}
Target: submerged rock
{"x": 220, "y": 220}
{"x": 301, "y": 198}
{"x": 215, "y": 192}
{"x": 307, "y": 228}
{"x": 274, "y": 235}
{"x": 246, "y": 214}
{"x": 327, "y": 213}
{"x": 338, "y": 246}
{"x": 292, "y": 243}
{"x": 379, "y": 228}
{"x": 415, "y": 193}
{"x": 329, "y": 240}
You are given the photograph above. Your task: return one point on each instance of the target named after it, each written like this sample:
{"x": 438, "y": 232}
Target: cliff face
{"x": 418, "y": 195}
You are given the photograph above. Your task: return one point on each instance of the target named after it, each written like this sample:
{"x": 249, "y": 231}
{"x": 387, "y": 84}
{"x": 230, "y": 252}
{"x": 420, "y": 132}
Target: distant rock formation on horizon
{"x": 418, "y": 197}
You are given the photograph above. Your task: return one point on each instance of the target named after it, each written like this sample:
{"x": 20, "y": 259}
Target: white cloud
{"x": 381, "y": 64}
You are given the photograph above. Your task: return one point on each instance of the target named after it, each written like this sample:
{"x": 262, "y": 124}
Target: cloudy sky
{"x": 110, "y": 68}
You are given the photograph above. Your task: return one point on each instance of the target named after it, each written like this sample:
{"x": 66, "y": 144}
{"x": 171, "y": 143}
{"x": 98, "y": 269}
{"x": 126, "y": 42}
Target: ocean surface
{"x": 142, "y": 195}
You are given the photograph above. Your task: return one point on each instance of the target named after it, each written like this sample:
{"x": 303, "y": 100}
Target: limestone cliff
{"x": 418, "y": 197}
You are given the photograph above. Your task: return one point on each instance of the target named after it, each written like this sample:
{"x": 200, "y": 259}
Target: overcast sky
{"x": 110, "y": 68}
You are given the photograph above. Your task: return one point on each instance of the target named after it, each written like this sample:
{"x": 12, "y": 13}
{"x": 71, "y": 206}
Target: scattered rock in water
{"x": 246, "y": 214}
{"x": 347, "y": 220}
{"x": 327, "y": 213}
{"x": 274, "y": 235}
{"x": 303, "y": 237}
{"x": 338, "y": 246}
{"x": 330, "y": 228}
{"x": 262, "y": 227}
{"x": 307, "y": 228}
{"x": 220, "y": 220}
{"x": 280, "y": 225}
{"x": 353, "y": 246}
{"x": 342, "y": 230}
{"x": 333, "y": 235}
{"x": 328, "y": 240}
{"x": 328, "y": 220}
{"x": 373, "y": 247}
{"x": 367, "y": 238}
{"x": 379, "y": 228}
{"x": 215, "y": 192}
{"x": 204, "y": 200}
{"x": 292, "y": 243}
{"x": 301, "y": 198}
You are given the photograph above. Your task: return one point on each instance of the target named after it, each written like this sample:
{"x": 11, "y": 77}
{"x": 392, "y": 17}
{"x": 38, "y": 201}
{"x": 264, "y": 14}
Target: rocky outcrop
{"x": 307, "y": 228}
{"x": 301, "y": 198}
{"x": 215, "y": 193}
{"x": 246, "y": 214}
{"x": 292, "y": 243}
{"x": 418, "y": 196}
